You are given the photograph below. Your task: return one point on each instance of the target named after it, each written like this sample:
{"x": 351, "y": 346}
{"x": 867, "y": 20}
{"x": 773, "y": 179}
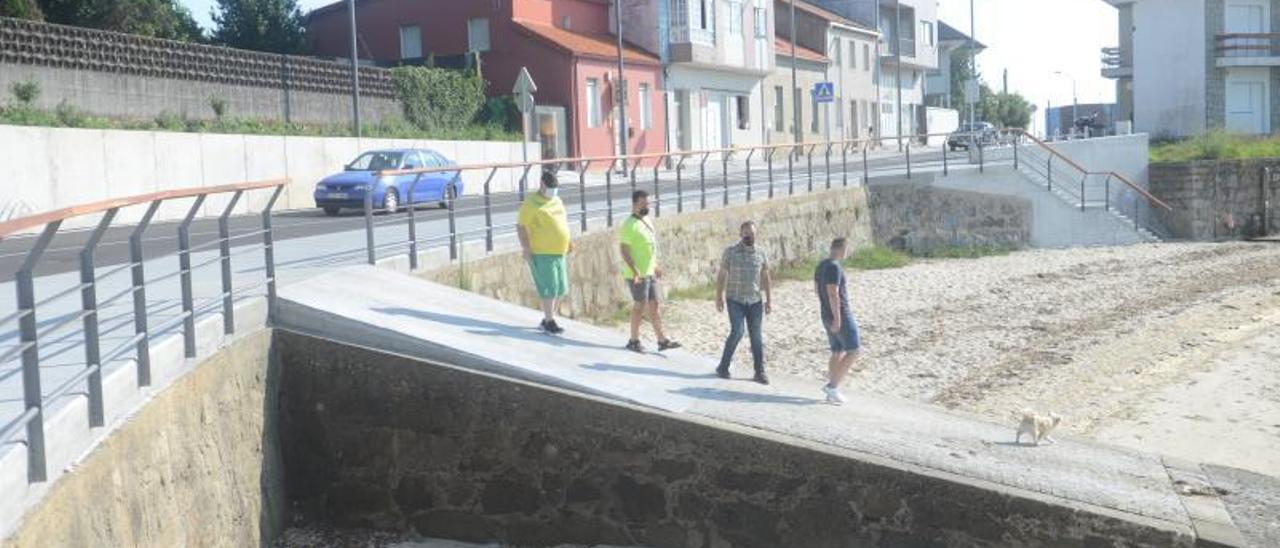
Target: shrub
{"x": 70, "y": 116}
{"x": 219, "y": 106}
{"x": 501, "y": 112}
{"x": 438, "y": 99}
{"x": 169, "y": 121}
{"x": 876, "y": 258}
{"x": 26, "y": 92}
{"x": 1216, "y": 145}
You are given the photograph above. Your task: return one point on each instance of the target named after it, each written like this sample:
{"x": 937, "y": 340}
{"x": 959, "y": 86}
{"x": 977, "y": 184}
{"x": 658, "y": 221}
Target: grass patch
{"x": 1217, "y": 145}
{"x": 703, "y": 292}
{"x": 966, "y": 252}
{"x": 876, "y": 258}
{"x": 797, "y": 271}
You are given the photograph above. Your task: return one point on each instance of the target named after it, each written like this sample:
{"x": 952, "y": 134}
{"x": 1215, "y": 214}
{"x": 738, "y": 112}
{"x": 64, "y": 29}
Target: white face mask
{"x": 551, "y": 192}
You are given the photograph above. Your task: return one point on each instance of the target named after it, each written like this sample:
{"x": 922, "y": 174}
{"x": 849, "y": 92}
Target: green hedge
{"x": 437, "y": 99}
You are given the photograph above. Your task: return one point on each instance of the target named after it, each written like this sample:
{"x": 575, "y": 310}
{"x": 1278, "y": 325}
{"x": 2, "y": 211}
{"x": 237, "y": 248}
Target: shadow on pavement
{"x": 744, "y": 397}
{"x": 493, "y": 329}
{"x": 653, "y": 371}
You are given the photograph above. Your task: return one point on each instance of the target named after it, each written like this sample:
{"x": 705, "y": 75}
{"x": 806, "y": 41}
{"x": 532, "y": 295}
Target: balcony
{"x": 685, "y": 34}
{"x": 906, "y": 45}
{"x": 1248, "y": 50}
{"x": 1116, "y": 63}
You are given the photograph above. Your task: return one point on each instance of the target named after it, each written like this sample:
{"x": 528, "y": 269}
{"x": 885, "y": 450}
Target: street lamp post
{"x": 1075, "y": 104}
{"x": 621, "y": 87}
{"x": 355, "y": 70}
{"x": 795, "y": 87}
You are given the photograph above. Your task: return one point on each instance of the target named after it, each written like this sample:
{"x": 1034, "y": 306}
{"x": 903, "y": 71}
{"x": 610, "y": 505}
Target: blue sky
{"x": 1033, "y": 39}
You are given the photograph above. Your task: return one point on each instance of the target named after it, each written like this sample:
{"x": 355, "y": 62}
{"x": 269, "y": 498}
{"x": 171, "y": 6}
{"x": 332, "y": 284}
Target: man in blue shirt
{"x": 837, "y": 318}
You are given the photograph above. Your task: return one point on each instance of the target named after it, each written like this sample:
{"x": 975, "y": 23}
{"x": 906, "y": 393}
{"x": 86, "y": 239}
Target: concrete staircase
{"x": 1068, "y": 188}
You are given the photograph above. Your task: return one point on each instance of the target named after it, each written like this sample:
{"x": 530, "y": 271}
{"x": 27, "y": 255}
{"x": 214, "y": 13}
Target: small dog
{"x": 1037, "y": 426}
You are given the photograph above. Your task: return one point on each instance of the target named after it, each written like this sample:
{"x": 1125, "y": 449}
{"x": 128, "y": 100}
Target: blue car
{"x": 347, "y": 189}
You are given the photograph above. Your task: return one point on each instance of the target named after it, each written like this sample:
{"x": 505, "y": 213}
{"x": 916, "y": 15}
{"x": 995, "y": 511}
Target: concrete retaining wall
{"x": 1219, "y": 200}
{"x": 921, "y": 218}
{"x": 389, "y": 442}
{"x": 51, "y": 168}
{"x": 1128, "y": 155}
{"x": 690, "y": 244}
{"x": 199, "y": 465}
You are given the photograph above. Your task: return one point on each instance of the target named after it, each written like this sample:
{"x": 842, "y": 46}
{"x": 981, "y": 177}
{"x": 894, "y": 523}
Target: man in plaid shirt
{"x": 742, "y": 282}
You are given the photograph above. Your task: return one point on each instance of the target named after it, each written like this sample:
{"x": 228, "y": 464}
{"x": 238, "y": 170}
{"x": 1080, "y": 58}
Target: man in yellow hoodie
{"x": 543, "y": 227}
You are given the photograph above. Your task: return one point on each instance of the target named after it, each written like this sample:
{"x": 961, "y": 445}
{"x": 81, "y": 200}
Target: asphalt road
{"x": 161, "y": 238}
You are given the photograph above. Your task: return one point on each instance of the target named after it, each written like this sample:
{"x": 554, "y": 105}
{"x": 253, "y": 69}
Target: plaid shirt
{"x": 742, "y": 265}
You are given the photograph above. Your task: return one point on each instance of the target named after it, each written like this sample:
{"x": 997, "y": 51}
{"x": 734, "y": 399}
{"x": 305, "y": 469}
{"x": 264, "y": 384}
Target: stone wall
{"x": 388, "y": 442}
{"x": 1219, "y": 200}
{"x": 690, "y": 245}
{"x": 199, "y": 465}
{"x": 921, "y": 218}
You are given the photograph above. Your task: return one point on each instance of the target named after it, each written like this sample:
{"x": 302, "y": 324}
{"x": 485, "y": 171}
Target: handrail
{"x": 1141, "y": 191}
{"x": 10, "y": 227}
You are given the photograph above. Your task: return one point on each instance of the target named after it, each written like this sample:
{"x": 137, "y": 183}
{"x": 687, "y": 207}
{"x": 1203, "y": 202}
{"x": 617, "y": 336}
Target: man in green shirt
{"x": 639, "y": 245}
{"x": 543, "y": 226}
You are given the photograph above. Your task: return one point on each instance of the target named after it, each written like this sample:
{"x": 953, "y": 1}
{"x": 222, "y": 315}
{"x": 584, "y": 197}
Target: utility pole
{"x": 355, "y": 70}
{"x": 795, "y": 87}
{"x": 973, "y": 64}
{"x": 622, "y": 87}
{"x": 897, "y": 59}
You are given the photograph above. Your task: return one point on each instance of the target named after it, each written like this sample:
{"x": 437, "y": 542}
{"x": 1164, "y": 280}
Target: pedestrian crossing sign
{"x": 824, "y": 92}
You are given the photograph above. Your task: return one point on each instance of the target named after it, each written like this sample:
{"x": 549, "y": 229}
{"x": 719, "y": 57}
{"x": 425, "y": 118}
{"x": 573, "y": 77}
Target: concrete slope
{"x": 1055, "y": 223}
{"x": 396, "y": 312}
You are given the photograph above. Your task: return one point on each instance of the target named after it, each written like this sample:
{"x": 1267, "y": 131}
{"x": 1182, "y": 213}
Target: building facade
{"x": 908, "y": 49}
{"x": 845, "y": 49}
{"x": 783, "y": 112}
{"x": 1226, "y": 74}
{"x": 938, "y": 92}
{"x": 566, "y": 45}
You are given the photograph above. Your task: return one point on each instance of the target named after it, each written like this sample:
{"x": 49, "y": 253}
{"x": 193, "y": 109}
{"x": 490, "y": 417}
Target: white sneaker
{"x": 834, "y": 397}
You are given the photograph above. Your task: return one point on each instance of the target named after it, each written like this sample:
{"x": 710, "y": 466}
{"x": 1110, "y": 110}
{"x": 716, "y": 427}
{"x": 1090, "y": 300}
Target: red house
{"x": 566, "y": 45}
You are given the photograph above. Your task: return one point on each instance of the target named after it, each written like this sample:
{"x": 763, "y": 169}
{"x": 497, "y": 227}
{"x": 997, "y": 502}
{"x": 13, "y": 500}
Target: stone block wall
{"x": 388, "y": 442}
{"x": 1219, "y": 199}
{"x": 921, "y": 218}
{"x": 689, "y": 246}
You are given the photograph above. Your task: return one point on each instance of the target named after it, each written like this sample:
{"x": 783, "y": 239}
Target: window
{"x": 762, "y": 23}
{"x": 886, "y": 108}
{"x": 646, "y": 108}
{"x": 735, "y": 18}
{"x": 926, "y": 32}
{"x": 478, "y": 34}
{"x": 853, "y": 55}
{"x": 744, "y": 112}
{"x": 706, "y": 14}
{"x": 680, "y": 14}
{"x": 593, "y": 103}
{"x": 866, "y": 57}
{"x": 779, "y": 112}
{"x": 410, "y": 42}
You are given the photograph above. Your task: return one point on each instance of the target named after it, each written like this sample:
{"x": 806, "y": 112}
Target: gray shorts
{"x": 646, "y": 290}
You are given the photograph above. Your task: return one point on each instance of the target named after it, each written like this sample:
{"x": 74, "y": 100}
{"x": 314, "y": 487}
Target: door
{"x": 1246, "y": 100}
{"x": 1247, "y": 17}
{"x": 713, "y": 133}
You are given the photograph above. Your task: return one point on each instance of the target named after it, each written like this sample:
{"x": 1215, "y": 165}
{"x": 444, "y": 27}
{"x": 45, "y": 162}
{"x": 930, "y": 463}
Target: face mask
{"x": 749, "y": 241}
{"x": 642, "y": 212}
{"x": 551, "y": 192}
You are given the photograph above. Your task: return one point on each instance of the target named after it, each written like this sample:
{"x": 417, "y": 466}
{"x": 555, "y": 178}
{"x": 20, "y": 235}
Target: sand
{"x": 1126, "y": 342}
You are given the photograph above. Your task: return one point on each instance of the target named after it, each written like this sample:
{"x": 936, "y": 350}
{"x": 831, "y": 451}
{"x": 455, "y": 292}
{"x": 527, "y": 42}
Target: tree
{"x": 262, "y": 25}
{"x": 155, "y": 18}
{"x": 1006, "y": 110}
{"x": 21, "y": 9}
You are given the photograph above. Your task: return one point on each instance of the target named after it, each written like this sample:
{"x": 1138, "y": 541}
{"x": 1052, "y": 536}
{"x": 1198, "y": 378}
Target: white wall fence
{"x": 50, "y": 168}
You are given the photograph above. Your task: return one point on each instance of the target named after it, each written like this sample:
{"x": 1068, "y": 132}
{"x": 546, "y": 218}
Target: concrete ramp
{"x": 393, "y": 312}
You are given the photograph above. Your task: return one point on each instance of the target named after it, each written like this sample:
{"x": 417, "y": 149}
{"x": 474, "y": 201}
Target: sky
{"x": 1033, "y": 39}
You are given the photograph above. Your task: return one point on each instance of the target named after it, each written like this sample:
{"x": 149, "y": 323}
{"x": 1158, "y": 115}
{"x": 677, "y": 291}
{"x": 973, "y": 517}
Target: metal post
{"x": 368, "y": 224}
{"x": 844, "y": 164}
{"x": 770, "y": 160}
{"x": 791, "y": 174}
{"x": 808, "y": 154}
{"x": 621, "y": 98}
{"x": 702, "y": 179}
{"x": 582, "y": 193}
{"x": 945, "y": 171}
{"x": 143, "y": 346}
{"x": 269, "y": 252}
{"x": 184, "y": 266}
{"x": 453, "y": 217}
{"x": 908, "y": 159}
{"x": 1048, "y": 172}
{"x": 32, "y": 396}
{"x": 750, "y": 153}
{"x": 224, "y": 247}
{"x": 1083, "y": 178}
{"x": 828, "y": 159}
{"x": 89, "y": 303}
{"x": 1015, "y": 152}
{"x": 488, "y": 212}
{"x": 679, "y": 183}
{"x": 982, "y": 158}
{"x": 1107, "y": 200}
{"x": 866, "y": 170}
{"x": 657, "y": 201}
{"x": 724, "y": 176}
{"x": 608, "y": 190}
{"x": 413, "y": 225}
{"x": 355, "y": 70}
{"x": 524, "y": 178}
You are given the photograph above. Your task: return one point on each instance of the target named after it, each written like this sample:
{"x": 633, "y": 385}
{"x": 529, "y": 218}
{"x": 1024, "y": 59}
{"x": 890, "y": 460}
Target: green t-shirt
{"x": 637, "y": 235}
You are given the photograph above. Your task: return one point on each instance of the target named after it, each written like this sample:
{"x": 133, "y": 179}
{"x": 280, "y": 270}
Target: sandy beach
{"x": 1170, "y": 348}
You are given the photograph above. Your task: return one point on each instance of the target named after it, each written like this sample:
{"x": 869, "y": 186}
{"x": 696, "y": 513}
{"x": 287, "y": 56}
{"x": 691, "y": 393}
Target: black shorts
{"x": 646, "y": 290}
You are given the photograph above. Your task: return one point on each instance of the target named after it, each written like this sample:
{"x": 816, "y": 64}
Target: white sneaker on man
{"x": 834, "y": 397}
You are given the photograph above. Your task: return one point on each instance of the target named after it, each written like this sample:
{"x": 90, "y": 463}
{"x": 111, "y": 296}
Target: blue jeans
{"x": 753, "y": 316}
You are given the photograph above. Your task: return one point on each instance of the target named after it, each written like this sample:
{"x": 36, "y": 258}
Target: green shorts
{"x": 550, "y": 276}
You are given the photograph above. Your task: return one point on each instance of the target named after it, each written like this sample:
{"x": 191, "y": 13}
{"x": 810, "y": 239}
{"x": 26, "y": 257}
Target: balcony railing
{"x": 1248, "y": 45}
{"x": 683, "y": 33}
{"x": 1116, "y": 62}
{"x": 907, "y": 45}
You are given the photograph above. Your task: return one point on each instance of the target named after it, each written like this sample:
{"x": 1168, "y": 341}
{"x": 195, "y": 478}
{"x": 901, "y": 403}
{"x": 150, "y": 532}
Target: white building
{"x": 716, "y": 54}
{"x": 1184, "y": 67}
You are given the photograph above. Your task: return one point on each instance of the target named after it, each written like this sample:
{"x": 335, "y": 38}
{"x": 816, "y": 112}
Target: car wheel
{"x": 391, "y": 202}
{"x": 330, "y": 211}
{"x": 451, "y": 195}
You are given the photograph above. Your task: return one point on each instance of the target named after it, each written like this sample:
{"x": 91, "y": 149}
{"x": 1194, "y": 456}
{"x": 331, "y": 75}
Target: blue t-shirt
{"x": 830, "y": 272}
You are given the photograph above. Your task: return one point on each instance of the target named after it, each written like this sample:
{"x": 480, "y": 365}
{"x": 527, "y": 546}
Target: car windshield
{"x": 376, "y": 161}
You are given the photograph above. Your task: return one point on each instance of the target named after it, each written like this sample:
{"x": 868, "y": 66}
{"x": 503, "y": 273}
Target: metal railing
{"x": 1247, "y": 44}
{"x": 759, "y": 172}
{"x": 31, "y": 332}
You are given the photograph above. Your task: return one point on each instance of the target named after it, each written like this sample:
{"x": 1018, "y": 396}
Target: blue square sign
{"x": 824, "y": 92}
